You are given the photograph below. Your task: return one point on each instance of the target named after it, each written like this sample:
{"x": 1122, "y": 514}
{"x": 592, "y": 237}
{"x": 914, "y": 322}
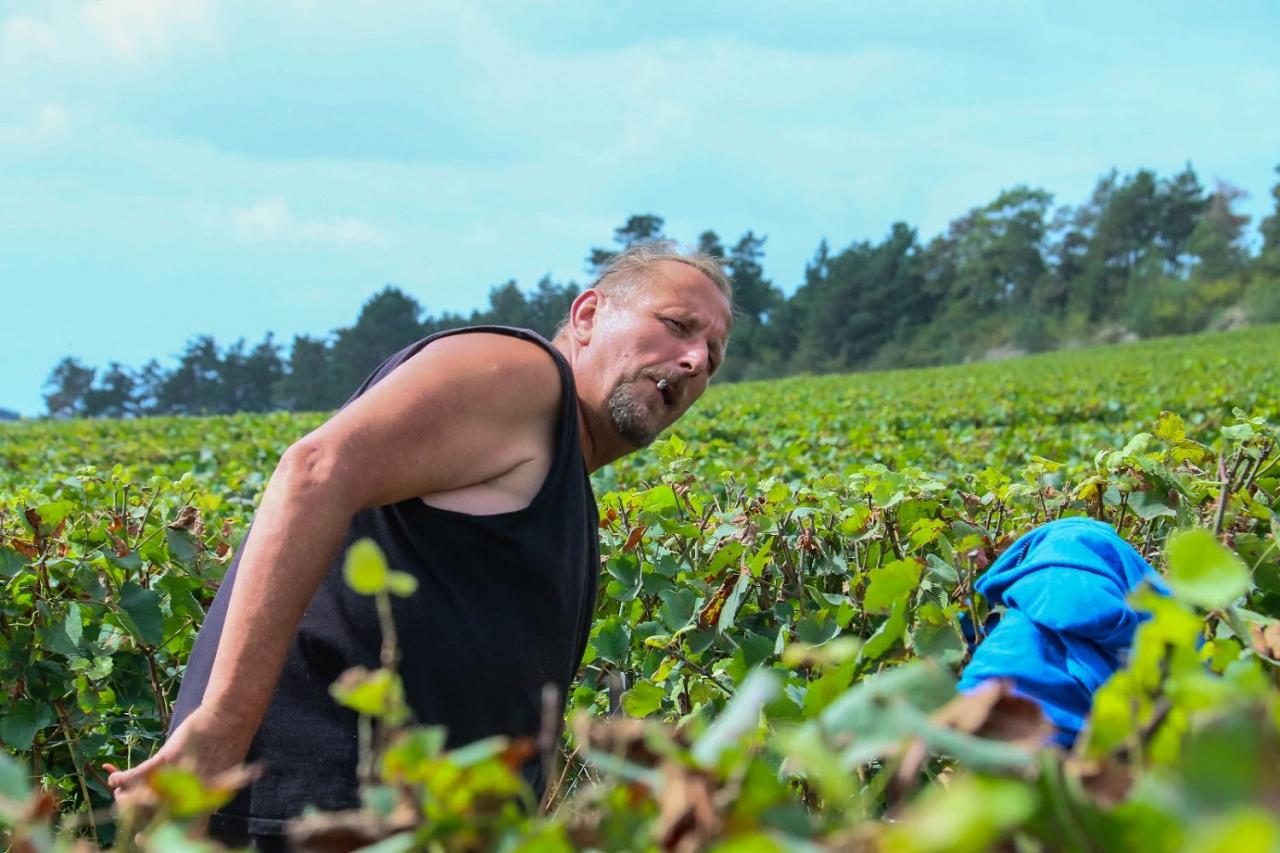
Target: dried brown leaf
{"x": 688, "y": 818}
{"x": 995, "y": 712}
{"x": 633, "y": 538}
{"x": 1107, "y": 782}
{"x": 188, "y": 519}
{"x": 628, "y": 739}
{"x": 709, "y": 615}
{"x": 25, "y": 548}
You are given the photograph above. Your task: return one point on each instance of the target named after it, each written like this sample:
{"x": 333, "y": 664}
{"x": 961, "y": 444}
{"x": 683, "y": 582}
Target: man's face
{"x": 673, "y": 328}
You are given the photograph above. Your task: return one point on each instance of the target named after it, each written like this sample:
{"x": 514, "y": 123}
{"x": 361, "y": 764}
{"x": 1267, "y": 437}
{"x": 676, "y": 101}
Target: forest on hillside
{"x": 1144, "y": 255}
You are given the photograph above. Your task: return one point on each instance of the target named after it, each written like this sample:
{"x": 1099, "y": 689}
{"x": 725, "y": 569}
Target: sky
{"x": 171, "y": 168}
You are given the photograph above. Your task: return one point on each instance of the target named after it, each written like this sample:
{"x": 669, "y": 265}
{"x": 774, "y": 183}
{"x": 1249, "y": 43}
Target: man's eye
{"x": 674, "y": 324}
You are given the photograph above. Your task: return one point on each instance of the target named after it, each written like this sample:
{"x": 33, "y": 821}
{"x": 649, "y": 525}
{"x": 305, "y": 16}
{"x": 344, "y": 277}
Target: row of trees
{"x": 1143, "y": 255}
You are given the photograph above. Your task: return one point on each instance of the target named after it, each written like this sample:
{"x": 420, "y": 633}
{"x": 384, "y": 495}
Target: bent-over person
{"x": 466, "y": 457}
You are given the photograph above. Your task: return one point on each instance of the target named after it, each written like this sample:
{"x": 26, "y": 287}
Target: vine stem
{"x": 701, "y": 670}
{"x": 162, "y": 705}
{"x": 75, "y": 761}
{"x": 1223, "y": 496}
{"x": 389, "y": 655}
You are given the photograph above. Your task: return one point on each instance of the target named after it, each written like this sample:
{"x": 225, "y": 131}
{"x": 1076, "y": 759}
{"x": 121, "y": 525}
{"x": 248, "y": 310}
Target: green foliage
{"x": 778, "y": 631}
{"x": 1204, "y": 573}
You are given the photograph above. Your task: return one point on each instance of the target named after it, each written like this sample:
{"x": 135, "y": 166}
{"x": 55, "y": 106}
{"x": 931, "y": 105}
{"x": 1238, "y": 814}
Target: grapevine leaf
{"x": 891, "y": 584}
{"x": 18, "y": 726}
{"x": 612, "y": 640}
{"x": 365, "y": 568}
{"x": 889, "y": 633}
{"x": 142, "y": 606}
{"x": 1203, "y": 572}
{"x": 642, "y": 699}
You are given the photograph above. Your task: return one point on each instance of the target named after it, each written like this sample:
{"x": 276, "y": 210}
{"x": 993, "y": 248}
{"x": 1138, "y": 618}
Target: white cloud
{"x": 23, "y": 38}
{"x": 270, "y": 220}
{"x": 135, "y": 28}
{"x": 50, "y": 125}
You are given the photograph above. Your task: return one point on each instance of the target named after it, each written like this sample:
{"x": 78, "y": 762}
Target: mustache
{"x": 667, "y": 382}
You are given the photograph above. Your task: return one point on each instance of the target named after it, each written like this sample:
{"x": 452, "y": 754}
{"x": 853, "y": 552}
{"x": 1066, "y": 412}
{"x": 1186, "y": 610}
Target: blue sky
{"x": 171, "y": 168}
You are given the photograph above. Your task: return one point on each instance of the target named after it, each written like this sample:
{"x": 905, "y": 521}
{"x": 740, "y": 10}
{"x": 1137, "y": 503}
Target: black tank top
{"x": 503, "y": 606}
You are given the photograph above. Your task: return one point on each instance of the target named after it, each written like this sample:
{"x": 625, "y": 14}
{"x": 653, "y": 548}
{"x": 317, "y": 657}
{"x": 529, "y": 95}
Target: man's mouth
{"x": 668, "y": 393}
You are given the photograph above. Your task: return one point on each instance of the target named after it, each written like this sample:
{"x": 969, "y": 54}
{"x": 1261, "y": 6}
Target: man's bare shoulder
{"x": 468, "y": 409}
{"x": 491, "y": 370}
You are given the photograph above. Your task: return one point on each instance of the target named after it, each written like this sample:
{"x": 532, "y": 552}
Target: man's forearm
{"x": 297, "y": 532}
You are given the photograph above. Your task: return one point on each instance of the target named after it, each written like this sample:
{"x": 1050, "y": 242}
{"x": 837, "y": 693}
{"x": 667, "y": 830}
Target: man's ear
{"x": 582, "y": 315}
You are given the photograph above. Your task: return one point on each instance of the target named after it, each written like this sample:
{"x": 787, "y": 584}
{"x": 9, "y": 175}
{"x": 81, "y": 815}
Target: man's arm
{"x": 468, "y": 409}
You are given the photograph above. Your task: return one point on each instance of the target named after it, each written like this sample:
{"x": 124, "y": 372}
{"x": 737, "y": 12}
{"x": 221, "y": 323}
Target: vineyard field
{"x": 786, "y": 580}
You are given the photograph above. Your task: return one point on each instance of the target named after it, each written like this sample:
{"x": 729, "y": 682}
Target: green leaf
{"x": 73, "y": 627}
{"x": 938, "y": 641}
{"x": 863, "y": 709}
{"x": 52, "y": 513}
{"x": 412, "y": 752}
{"x": 822, "y": 692}
{"x": 677, "y": 607}
{"x": 15, "y": 782}
{"x": 924, "y": 531}
{"x": 183, "y": 547}
{"x": 1170, "y": 427}
{"x": 815, "y": 629}
{"x": 1148, "y": 506}
{"x": 612, "y": 640}
{"x": 942, "y": 571}
{"x": 18, "y": 726}
{"x": 970, "y": 814}
{"x": 643, "y": 699}
{"x": 891, "y": 584}
{"x": 1242, "y": 828}
{"x": 142, "y": 606}
{"x": 1203, "y": 572}
{"x": 373, "y": 693}
{"x": 173, "y": 838}
{"x": 102, "y": 667}
{"x": 402, "y": 584}
{"x": 365, "y": 568}
{"x": 727, "y": 554}
{"x": 1238, "y": 432}
{"x": 181, "y": 600}
{"x": 11, "y": 562}
{"x": 64, "y": 637}
{"x": 888, "y": 634}
{"x": 740, "y": 717}
{"x": 183, "y": 794}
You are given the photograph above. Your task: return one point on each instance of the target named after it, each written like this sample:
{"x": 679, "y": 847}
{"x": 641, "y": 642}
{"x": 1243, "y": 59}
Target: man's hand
{"x": 208, "y": 743}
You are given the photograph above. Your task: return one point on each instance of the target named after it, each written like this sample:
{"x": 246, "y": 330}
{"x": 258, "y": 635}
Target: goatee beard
{"x": 631, "y": 417}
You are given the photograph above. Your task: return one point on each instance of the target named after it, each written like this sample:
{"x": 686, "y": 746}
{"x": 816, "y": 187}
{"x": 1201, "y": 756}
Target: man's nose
{"x": 696, "y": 359}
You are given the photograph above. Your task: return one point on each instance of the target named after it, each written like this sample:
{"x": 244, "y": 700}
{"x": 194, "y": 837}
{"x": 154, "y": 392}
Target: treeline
{"x": 1144, "y": 255}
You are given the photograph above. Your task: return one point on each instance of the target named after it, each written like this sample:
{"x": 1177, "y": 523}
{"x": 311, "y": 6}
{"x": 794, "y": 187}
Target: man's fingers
{"x": 124, "y": 778}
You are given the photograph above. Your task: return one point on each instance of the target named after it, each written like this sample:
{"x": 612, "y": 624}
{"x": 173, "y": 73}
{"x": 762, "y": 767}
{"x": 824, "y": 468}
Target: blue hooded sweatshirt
{"x": 1067, "y": 626}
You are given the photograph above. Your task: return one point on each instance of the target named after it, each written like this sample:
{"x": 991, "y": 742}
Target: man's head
{"x": 645, "y": 339}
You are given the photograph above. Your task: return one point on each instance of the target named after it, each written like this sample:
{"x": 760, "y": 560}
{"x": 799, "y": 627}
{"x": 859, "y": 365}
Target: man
{"x": 466, "y": 457}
